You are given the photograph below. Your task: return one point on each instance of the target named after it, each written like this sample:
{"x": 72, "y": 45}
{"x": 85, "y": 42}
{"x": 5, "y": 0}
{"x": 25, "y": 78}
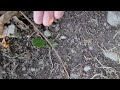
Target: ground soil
{"x": 85, "y": 32}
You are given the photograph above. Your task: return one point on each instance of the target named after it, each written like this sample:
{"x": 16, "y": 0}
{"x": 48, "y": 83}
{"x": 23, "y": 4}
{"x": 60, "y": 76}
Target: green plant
{"x": 39, "y": 42}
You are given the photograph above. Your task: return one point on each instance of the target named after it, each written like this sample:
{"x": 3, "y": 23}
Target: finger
{"x": 38, "y": 17}
{"x": 58, "y": 14}
{"x": 48, "y": 18}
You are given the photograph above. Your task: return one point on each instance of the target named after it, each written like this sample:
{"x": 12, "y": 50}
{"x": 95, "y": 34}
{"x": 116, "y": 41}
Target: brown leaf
{"x": 5, "y": 19}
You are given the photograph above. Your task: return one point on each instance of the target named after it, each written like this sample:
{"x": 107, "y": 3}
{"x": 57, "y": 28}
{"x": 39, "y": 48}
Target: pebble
{"x": 113, "y": 18}
{"x": 47, "y": 33}
{"x": 112, "y": 55}
{"x": 23, "y": 69}
{"x": 62, "y": 37}
{"x": 90, "y": 47}
{"x": 33, "y": 69}
{"x": 10, "y": 30}
{"x": 87, "y": 68}
{"x": 73, "y": 51}
{"x": 74, "y": 76}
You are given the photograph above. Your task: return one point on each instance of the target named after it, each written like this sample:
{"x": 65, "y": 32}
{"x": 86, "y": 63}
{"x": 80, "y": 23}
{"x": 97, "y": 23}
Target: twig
{"x": 37, "y": 30}
{"x": 99, "y": 62}
{"x": 21, "y": 25}
{"x": 99, "y": 75}
{"x": 50, "y": 57}
{"x": 107, "y": 69}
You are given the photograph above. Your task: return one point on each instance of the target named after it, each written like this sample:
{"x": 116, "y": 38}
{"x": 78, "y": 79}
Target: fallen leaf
{"x": 5, "y": 44}
{"x": 5, "y": 19}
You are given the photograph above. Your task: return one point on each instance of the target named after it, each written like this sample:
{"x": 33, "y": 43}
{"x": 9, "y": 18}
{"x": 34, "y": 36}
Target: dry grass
{"x": 109, "y": 71}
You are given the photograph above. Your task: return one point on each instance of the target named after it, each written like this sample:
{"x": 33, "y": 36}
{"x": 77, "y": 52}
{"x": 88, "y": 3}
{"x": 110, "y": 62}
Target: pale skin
{"x": 46, "y": 17}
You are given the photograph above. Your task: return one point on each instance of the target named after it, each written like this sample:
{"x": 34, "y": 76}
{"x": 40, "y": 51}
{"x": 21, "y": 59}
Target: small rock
{"x": 47, "y": 33}
{"x": 33, "y": 69}
{"x": 23, "y": 69}
{"x": 87, "y": 68}
{"x": 10, "y": 30}
{"x": 74, "y": 76}
{"x": 75, "y": 38}
{"x": 113, "y": 18}
{"x": 62, "y": 37}
{"x": 28, "y": 36}
{"x": 112, "y": 55}
{"x": 73, "y": 51}
{"x": 90, "y": 47}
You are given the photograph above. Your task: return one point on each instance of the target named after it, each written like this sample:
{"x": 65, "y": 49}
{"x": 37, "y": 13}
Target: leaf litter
{"x": 7, "y": 31}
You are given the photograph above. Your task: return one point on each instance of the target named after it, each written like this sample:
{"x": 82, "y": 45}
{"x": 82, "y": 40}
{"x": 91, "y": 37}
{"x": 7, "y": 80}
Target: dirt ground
{"x": 84, "y": 32}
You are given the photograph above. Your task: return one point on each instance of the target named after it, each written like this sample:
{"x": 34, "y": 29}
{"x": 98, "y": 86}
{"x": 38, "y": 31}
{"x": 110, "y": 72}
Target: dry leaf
{"x": 5, "y": 19}
{"x": 5, "y": 44}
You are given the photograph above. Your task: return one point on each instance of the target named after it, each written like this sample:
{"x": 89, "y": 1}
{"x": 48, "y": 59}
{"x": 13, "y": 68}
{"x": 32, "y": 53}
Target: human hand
{"x": 46, "y": 17}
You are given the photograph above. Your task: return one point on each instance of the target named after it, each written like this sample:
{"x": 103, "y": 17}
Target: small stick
{"x": 99, "y": 75}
